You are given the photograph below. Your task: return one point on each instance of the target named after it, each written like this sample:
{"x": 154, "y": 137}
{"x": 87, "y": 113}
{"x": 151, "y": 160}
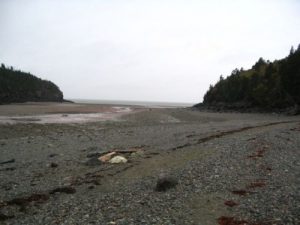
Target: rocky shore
{"x": 182, "y": 167}
{"x": 242, "y": 107}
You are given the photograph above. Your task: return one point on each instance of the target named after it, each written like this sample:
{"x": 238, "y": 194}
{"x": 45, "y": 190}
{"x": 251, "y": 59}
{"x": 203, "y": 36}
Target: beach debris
{"x": 7, "y": 161}
{"x": 128, "y": 151}
{"x": 165, "y": 182}
{"x": 118, "y": 159}
{"x": 106, "y": 157}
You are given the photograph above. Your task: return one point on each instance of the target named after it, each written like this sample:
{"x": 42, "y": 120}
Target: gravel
{"x": 219, "y": 163}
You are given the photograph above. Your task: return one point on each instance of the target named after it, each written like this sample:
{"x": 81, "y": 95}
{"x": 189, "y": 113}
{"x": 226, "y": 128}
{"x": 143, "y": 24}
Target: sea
{"x": 135, "y": 103}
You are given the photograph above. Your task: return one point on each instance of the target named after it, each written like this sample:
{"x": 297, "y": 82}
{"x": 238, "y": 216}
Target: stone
{"x": 165, "y": 182}
{"x": 52, "y": 165}
{"x": 106, "y": 157}
{"x": 92, "y": 162}
{"x": 118, "y": 159}
{"x": 94, "y": 154}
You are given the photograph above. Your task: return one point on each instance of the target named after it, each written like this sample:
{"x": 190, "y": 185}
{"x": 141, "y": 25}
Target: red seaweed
{"x": 224, "y": 220}
{"x": 257, "y": 184}
{"x": 240, "y": 192}
{"x": 230, "y": 203}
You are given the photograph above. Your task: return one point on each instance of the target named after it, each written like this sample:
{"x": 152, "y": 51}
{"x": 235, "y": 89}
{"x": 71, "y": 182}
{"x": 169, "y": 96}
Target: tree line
{"x": 267, "y": 84}
{"x": 18, "y": 86}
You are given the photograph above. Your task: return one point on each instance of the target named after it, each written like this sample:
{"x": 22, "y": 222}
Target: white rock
{"x": 118, "y": 159}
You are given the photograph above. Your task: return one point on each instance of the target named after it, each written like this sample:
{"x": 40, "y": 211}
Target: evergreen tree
{"x": 268, "y": 84}
{"x": 17, "y": 86}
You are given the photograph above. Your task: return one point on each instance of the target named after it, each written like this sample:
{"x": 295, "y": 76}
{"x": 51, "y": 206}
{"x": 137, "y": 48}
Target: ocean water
{"x": 134, "y": 103}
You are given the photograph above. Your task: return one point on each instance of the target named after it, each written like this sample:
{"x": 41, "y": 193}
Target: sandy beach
{"x": 229, "y": 168}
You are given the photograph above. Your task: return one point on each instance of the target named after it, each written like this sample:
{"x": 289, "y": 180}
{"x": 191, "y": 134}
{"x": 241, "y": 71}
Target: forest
{"x": 267, "y": 85}
{"x": 17, "y": 86}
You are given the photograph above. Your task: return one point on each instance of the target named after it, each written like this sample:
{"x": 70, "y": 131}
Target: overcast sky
{"x": 158, "y": 50}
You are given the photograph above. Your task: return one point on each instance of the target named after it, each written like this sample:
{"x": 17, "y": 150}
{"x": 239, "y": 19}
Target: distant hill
{"x": 17, "y": 86}
{"x": 267, "y": 85}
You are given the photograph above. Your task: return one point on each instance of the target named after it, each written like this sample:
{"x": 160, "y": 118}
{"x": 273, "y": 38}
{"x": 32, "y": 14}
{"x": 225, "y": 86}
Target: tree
{"x": 292, "y": 51}
{"x": 258, "y": 64}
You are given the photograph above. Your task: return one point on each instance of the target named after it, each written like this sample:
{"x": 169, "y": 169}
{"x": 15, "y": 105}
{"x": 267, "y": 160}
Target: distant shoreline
{"x": 133, "y": 103}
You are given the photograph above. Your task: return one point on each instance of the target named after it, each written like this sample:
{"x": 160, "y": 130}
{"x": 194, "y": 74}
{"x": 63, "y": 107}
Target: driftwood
{"x": 127, "y": 151}
{"x": 8, "y": 161}
{"x": 130, "y": 150}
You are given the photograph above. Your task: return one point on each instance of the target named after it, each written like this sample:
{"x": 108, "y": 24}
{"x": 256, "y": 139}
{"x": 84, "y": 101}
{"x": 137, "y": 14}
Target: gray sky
{"x": 158, "y": 50}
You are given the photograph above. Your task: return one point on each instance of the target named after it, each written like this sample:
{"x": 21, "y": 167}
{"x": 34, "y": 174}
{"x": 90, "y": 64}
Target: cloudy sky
{"x": 158, "y": 50}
